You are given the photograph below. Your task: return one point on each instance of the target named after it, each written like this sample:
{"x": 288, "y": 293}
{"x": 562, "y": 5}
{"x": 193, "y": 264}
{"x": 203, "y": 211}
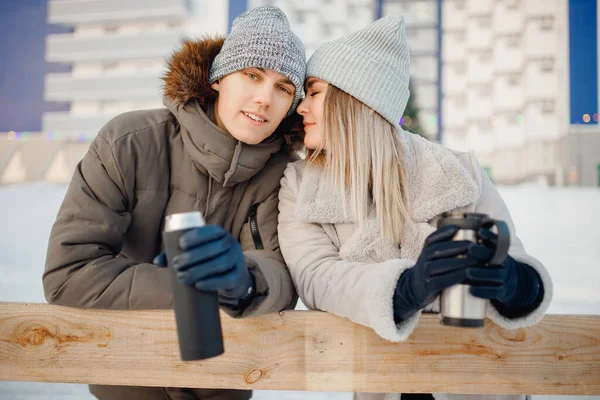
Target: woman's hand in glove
{"x": 442, "y": 263}
{"x": 512, "y": 283}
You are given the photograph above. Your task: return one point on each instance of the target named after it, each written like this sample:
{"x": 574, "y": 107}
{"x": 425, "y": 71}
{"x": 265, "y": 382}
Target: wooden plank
{"x": 299, "y": 350}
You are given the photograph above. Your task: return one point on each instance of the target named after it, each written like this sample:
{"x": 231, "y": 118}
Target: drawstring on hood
{"x": 206, "y": 209}
{"x": 234, "y": 160}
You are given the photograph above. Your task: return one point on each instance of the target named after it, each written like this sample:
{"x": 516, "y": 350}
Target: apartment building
{"x": 491, "y": 76}
{"x": 117, "y": 54}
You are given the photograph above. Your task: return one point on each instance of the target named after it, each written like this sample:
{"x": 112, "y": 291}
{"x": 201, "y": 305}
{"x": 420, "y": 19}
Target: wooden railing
{"x": 299, "y": 350}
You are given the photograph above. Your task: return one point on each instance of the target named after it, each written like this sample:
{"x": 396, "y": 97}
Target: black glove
{"x": 513, "y": 284}
{"x": 438, "y": 267}
{"x": 211, "y": 259}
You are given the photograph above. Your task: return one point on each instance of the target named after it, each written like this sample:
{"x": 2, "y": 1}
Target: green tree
{"x": 410, "y": 120}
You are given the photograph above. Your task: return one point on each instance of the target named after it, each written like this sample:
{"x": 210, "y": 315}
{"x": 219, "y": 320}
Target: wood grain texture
{"x": 299, "y": 350}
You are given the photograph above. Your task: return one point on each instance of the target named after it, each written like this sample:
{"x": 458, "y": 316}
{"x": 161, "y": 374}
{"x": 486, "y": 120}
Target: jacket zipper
{"x": 254, "y": 228}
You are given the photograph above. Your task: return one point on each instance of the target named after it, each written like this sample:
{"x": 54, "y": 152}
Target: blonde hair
{"x": 362, "y": 155}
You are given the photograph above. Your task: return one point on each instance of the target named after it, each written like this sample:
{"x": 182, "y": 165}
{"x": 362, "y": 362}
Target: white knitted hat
{"x": 370, "y": 64}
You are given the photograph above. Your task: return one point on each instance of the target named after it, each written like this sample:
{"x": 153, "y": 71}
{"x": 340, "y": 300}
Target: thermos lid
{"x": 463, "y": 220}
{"x": 181, "y": 221}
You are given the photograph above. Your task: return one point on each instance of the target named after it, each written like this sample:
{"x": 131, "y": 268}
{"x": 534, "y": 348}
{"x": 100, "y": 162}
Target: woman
{"x": 217, "y": 148}
{"x": 354, "y": 222}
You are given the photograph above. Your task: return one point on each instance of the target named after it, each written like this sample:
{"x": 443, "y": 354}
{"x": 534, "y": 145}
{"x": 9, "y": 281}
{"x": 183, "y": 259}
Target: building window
{"x": 547, "y": 23}
{"x": 111, "y": 68}
{"x": 484, "y": 91}
{"x": 484, "y": 21}
{"x": 547, "y": 64}
{"x": 412, "y": 34}
{"x": 460, "y": 68}
{"x": 485, "y": 56}
{"x": 513, "y": 4}
{"x": 513, "y": 40}
{"x": 111, "y": 30}
{"x": 548, "y": 106}
{"x": 484, "y": 127}
{"x": 511, "y": 117}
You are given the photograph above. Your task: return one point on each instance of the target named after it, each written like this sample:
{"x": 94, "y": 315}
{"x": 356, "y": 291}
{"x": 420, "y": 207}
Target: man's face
{"x": 252, "y": 103}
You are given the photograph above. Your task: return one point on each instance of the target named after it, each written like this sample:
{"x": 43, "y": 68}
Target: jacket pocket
{"x": 253, "y": 223}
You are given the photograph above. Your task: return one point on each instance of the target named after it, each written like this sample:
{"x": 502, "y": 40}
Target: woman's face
{"x": 311, "y": 110}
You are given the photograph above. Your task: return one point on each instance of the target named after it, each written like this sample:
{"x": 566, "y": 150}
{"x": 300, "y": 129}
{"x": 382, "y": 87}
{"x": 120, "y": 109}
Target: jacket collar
{"x": 438, "y": 182}
{"x": 187, "y": 94}
{"x": 216, "y": 153}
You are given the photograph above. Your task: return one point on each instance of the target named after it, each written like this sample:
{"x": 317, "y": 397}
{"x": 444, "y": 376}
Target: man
{"x": 217, "y": 148}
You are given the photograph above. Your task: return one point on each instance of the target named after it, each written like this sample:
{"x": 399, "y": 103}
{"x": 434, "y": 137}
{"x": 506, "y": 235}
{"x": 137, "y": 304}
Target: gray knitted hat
{"x": 261, "y": 38}
{"x": 370, "y": 64}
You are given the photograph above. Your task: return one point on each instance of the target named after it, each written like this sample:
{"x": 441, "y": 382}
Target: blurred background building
{"x": 515, "y": 81}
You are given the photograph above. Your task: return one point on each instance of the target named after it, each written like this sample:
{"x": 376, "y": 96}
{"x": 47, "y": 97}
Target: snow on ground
{"x": 559, "y": 226}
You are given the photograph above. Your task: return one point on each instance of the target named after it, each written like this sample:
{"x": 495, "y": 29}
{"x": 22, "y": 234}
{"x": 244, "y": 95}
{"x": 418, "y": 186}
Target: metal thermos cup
{"x": 458, "y": 307}
{"x": 196, "y": 311}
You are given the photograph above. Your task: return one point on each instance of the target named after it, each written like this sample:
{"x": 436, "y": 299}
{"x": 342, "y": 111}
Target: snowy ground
{"x": 558, "y": 226}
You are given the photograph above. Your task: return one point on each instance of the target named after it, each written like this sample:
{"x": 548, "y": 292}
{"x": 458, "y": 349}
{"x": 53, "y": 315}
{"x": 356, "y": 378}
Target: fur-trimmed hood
{"x": 187, "y": 71}
{"x": 186, "y": 79}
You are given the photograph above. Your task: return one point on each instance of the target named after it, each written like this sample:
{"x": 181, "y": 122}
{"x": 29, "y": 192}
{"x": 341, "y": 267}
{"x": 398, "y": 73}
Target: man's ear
{"x": 215, "y": 85}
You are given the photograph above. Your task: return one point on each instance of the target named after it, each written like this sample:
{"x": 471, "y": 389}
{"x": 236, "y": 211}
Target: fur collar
{"x": 438, "y": 182}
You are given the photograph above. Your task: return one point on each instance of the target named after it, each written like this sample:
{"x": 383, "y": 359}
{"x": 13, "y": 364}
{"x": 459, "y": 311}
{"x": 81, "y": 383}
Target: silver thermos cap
{"x": 181, "y": 221}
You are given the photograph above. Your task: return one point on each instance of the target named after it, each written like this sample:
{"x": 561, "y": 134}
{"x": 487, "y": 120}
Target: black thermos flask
{"x": 196, "y": 311}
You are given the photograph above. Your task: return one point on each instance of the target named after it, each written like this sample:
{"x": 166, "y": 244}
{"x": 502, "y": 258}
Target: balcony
{"x": 424, "y": 69}
{"x": 422, "y": 40}
{"x": 506, "y": 19}
{"x": 454, "y": 15}
{"x": 65, "y": 87}
{"x": 69, "y": 48}
{"x": 508, "y": 131}
{"x": 420, "y": 13}
{"x": 454, "y": 114}
{"x": 541, "y": 37}
{"x": 543, "y": 7}
{"x": 508, "y": 53}
{"x": 454, "y": 46}
{"x": 479, "y": 6}
{"x": 480, "y": 136}
{"x": 479, "y": 32}
{"x": 540, "y": 123}
{"x": 540, "y": 79}
{"x": 66, "y": 123}
{"x": 454, "y": 79}
{"x": 479, "y": 104}
{"x": 426, "y": 95}
{"x": 480, "y": 67}
{"x": 75, "y": 12}
{"x": 508, "y": 93}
